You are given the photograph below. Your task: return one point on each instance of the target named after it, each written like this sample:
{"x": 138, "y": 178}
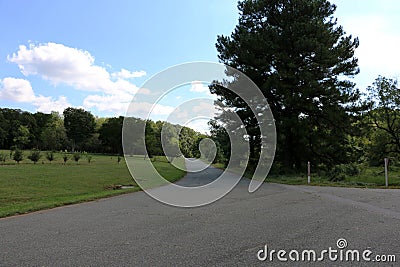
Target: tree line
{"x": 78, "y": 130}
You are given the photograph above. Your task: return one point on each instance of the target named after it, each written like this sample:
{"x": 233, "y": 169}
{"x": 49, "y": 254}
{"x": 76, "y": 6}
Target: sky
{"x": 97, "y": 54}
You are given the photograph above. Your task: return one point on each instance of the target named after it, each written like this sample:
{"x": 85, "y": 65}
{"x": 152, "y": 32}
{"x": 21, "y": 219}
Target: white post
{"x": 386, "y": 172}
{"x": 309, "y": 172}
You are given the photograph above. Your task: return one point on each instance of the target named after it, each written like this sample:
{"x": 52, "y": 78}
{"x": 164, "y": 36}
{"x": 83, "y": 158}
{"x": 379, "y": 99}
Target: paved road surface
{"x": 135, "y": 230}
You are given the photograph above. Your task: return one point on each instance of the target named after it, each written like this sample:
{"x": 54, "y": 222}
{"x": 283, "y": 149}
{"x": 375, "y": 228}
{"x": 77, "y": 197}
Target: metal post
{"x": 309, "y": 172}
{"x": 386, "y": 172}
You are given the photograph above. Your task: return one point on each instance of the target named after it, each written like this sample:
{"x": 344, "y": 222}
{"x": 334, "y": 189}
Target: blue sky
{"x": 94, "y": 54}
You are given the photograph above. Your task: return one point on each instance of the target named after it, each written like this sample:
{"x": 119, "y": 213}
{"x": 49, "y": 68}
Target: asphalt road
{"x": 135, "y": 230}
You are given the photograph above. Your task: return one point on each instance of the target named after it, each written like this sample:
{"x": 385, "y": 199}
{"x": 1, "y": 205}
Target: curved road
{"x": 135, "y": 230}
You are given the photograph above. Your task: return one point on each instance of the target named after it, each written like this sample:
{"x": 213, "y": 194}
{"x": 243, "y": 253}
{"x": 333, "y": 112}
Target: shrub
{"x": 50, "y": 156}
{"x": 18, "y": 155}
{"x": 89, "y": 158}
{"x": 337, "y": 173}
{"x": 77, "y": 157}
{"x": 34, "y": 156}
{"x": 351, "y": 169}
{"x": 276, "y": 169}
{"x": 65, "y": 158}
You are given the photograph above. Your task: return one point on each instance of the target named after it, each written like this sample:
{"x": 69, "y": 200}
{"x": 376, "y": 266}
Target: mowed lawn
{"x": 29, "y": 187}
{"x": 369, "y": 177}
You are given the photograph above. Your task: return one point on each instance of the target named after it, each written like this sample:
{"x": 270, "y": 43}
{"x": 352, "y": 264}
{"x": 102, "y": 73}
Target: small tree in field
{"x": 18, "y": 155}
{"x": 65, "y": 158}
{"x": 77, "y": 157}
{"x": 89, "y": 158}
{"x": 34, "y": 156}
{"x": 50, "y": 156}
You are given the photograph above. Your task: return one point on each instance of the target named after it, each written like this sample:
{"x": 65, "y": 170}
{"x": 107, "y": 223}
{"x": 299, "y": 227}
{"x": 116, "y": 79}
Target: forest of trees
{"x": 78, "y": 130}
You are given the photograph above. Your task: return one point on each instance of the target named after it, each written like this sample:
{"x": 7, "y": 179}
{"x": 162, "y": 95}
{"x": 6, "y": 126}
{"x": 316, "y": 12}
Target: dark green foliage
{"x": 17, "y": 128}
{"x": 18, "y": 155}
{"x": 65, "y": 158}
{"x": 79, "y": 125}
{"x": 336, "y": 174}
{"x": 153, "y": 138}
{"x": 22, "y": 136}
{"x": 77, "y": 157}
{"x": 47, "y": 132}
{"x": 53, "y": 135}
{"x": 78, "y": 128}
{"x": 352, "y": 169}
{"x": 89, "y": 158}
{"x": 300, "y": 58}
{"x": 50, "y": 156}
{"x": 111, "y": 135}
{"x": 383, "y": 120}
{"x": 189, "y": 142}
{"x": 339, "y": 172}
{"x": 3, "y": 129}
{"x": 34, "y": 156}
{"x": 42, "y": 120}
{"x": 220, "y": 157}
{"x": 222, "y": 141}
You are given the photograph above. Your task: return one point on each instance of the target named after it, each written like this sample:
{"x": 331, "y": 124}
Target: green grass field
{"x": 27, "y": 187}
{"x": 361, "y": 181}
{"x": 370, "y": 177}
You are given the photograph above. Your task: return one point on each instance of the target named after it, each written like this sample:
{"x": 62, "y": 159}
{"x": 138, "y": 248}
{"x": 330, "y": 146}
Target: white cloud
{"x": 61, "y": 64}
{"x": 180, "y": 114}
{"x": 199, "y": 125}
{"x": 58, "y": 63}
{"x": 20, "y": 90}
{"x": 199, "y": 87}
{"x": 195, "y": 113}
{"x": 17, "y": 90}
{"x": 159, "y": 109}
{"x": 47, "y": 104}
{"x": 119, "y": 104}
{"x": 126, "y": 74}
{"x": 205, "y": 108}
{"x": 142, "y": 109}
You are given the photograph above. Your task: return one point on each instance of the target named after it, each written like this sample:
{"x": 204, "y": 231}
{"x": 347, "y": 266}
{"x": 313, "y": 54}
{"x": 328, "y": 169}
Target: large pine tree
{"x": 302, "y": 60}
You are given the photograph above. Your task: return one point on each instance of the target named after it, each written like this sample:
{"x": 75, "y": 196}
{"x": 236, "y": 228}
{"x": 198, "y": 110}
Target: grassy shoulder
{"x": 369, "y": 177}
{"x": 27, "y": 187}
